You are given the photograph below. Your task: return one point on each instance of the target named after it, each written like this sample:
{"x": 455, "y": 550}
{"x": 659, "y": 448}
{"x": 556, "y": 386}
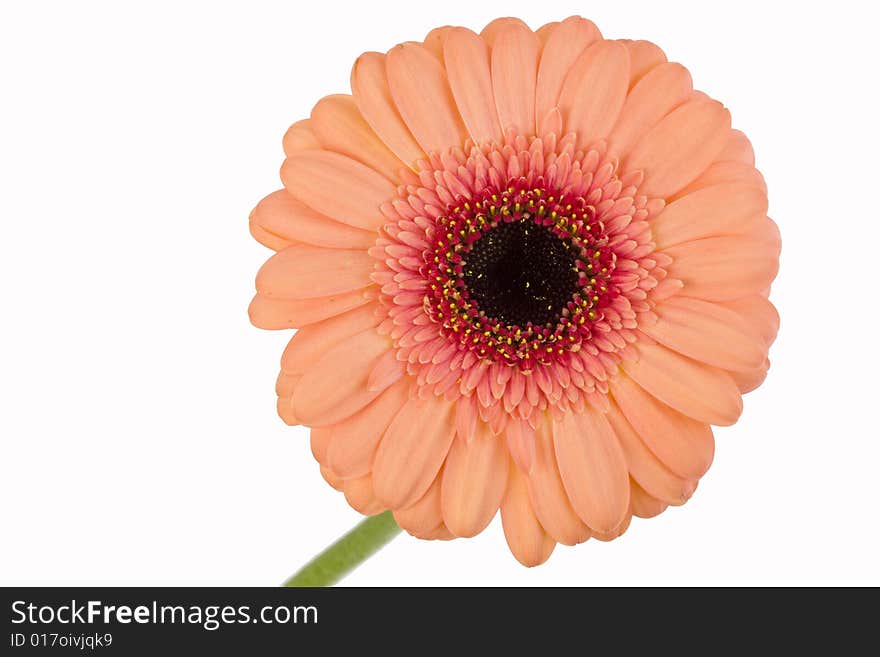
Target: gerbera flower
{"x": 529, "y": 270}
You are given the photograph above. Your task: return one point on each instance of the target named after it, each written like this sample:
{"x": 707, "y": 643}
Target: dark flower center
{"x": 521, "y": 273}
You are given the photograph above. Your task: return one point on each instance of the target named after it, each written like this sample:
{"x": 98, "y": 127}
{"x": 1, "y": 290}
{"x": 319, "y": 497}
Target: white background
{"x": 140, "y": 441}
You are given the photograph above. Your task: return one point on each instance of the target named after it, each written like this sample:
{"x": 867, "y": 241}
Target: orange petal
{"x": 594, "y": 91}
{"x": 548, "y": 496}
{"x": 515, "y": 52}
{"x": 645, "y": 467}
{"x": 284, "y": 407}
{"x": 663, "y": 89}
{"x": 337, "y": 186}
{"x": 319, "y": 441}
{"x": 275, "y": 314}
{"x": 726, "y": 209}
{"x": 748, "y": 381}
{"x": 474, "y": 480}
{"x": 292, "y": 221}
{"x": 335, "y": 387}
{"x": 720, "y": 173}
{"x": 299, "y": 137}
{"x": 435, "y": 41}
{"x": 593, "y": 469}
{"x": 737, "y": 149}
{"x": 494, "y": 28}
{"x": 331, "y": 478}
{"x": 643, "y": 505}
{"x": 564, "y": 45}
{"x": 617, "y": 531}
{"x": 307, "y": 272}
{"x": 311, "y": 342}
{"x": 285, "y": 383}
{"x": 421, "y": 93}
{"x": 759, "y": 313}
{"x": 355, "y": 439}
{"x": 680, "y": 147}
{"x": 467, "y": 65}
{"x": 643, "y": 56}
{"x": 707, "y": 332}
{"x": 528, "y": 541}
{"x": 412, "y": 451}
{"x": 369, "y": 87}
{"x": 520, "y": 444}
{"x": 264, "y": 237}
{"x": 545, "y": 31}
{"x": 703, "y": 393}
{"x": 339, "y": 126}
{"x": 423, "y": 517}
{"x": 359, "y": 494}
{"x": 724, "y": 268}
{"x": 388, "y": 370}
{"x": 684, "y": 445}
{"x": 440, "y": 533}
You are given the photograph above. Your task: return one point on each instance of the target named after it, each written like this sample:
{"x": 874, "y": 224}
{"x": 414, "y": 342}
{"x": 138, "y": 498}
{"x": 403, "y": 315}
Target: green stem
{"x": 346, "y": 554}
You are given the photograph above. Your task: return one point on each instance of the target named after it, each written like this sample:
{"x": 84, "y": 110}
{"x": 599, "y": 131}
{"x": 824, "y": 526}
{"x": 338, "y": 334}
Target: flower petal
{"x": 720, "y": 173}
{"x": 311, "y": 342}
{"x": 337, "y": 186}
{"x": 372, "y": 96}
{"x": 684, "y": 445}
{"x": 335, "y": 387}
{"x": 643, "y": 504}
{"x": 520, "y": 444}
{"x": 331, "y": 478}
{"x": 356, "y": 438}
{"x": 759, "y": 313}
{"x": 703, "y": 393}
{"x": 284, "y": 407}
{"x": 307, "y": 272}
{"x": 726, "y": 209}
{"x": 643, "y": 56}
{"x": 663, "y": 89}
{"x": 299, "y": 137}
{"x": 545, "y": 31}
{"x": 423, "y": 517}
{"x": 494, "y": 28}
{"x": 360, "y": 495}
{"x": 564, "y": 45}
{"x": 737, "y": 149}
{"x": 408, "y": 460}
{"x": 548, "y": 496}
{"x": 528, "y": 541}
{"x": 724, "y": 268}
{"x": 319, "y": 440}
{"x": 264, "y": 237}
{"x": 680, "y": 147}
{"x": 617, "y": 531}
{"x": 593, "y": 469}
{"x": 594, "y": 91}
{"x": 748, "y": 381}
{"x": 474, "y": 481}
{"x": 707, "y": 332}
{"x": 435, "y": 40}
{"x": 292, "y": 221}
{"x": 645, "y": 467}
{"x": 515, "y": 53}
{"x": 275, "y": 314}
{"x": 467, "y": 64}
{"x": 339, "y": 126}
{"x": 421, "y": 93}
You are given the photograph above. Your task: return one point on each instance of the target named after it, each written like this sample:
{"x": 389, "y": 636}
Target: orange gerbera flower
{"x": 529, "y": 270}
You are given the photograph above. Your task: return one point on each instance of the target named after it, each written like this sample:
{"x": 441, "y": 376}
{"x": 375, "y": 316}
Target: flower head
{"x": 529, "y": 270}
